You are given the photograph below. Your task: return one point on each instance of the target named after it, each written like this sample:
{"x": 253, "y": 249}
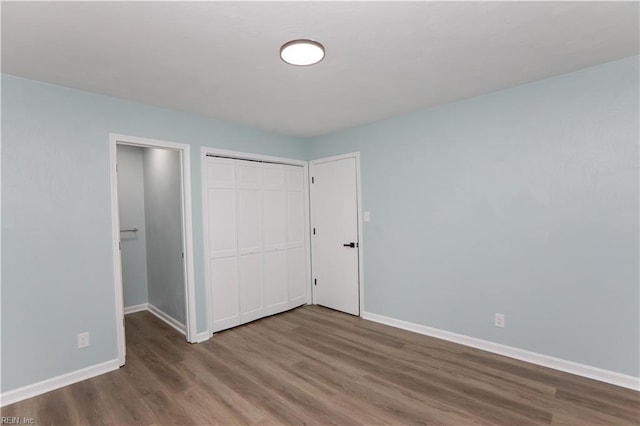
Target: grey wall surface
{"x": 163, "y": 218}
{"x": 132, "y": 215}
{"x": 523, "y": 202}
{"x": 57, "y": 260}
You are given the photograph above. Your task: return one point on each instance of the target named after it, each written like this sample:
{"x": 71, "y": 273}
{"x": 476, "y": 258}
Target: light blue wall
{"x": 163, "y": 218}
{"x": 523, "y": 201}
{"x": 131, "y": 206}
{"x": 57, "y": 263}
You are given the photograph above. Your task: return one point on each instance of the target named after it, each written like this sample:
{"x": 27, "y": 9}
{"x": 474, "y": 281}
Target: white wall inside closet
{"x": 163, "y": 221}
{"x": 149, "y": 201}
{"x": 256, "y": 217}
{"x": 132, "y": 216}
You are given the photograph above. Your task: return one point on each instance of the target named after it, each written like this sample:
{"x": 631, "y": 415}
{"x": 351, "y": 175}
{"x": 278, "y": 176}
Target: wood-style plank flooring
{"x": 316, "y": 366}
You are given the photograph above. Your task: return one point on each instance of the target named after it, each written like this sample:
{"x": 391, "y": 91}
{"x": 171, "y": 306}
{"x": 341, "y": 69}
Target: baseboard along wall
{"x": 607, "y": 376}
{"x": 54, "y": 383}
{"x": 136, "y": 308}
{"x": 169, "y": 320}
{"x": 57, "y": 382}
{"x": 612, "y": 377}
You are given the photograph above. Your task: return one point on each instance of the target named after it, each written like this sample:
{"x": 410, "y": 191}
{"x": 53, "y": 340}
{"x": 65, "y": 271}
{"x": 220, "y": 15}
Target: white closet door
{"x": 250, "y": 240}
{"x": 296, "y": 263}
{"x": 274, "y": 233}
{"x": 222, "y": 240}
{"x": 257, "y": 243}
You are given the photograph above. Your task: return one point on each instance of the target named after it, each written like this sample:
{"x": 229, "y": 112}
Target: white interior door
{"x": 334, "y": 209}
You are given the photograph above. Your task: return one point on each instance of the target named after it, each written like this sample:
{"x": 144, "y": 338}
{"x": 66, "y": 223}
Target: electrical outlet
{"x": 499, "y": 320}
{"x": 83, "y": 340}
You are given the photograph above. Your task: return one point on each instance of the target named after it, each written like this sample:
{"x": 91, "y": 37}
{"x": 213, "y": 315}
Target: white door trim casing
{"x": 187, "y": 232}
{"x": 356, "y": 156}
{"x": 239, "y": 155}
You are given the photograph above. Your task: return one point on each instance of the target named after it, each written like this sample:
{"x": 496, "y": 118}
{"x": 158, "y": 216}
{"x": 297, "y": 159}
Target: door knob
{"x": 352, "y": 245}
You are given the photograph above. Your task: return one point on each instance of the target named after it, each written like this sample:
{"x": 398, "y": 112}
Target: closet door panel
{"x": 296, "y": 251}
{"x": 221, "y": 172}
{"x": 274, "y": 231}
{"x": 250, "y": 240}
{"x": 273, "y": 176}
{"x": 251, "y": 299}
{"x": 249, "y": 173}
{"x": 295, "y": 219}
{"x": 249, "y": 235}
{"x": 222, "y": 222}
{"x": 275, "y": 219}
{"x": 296, "y": 277}
{"x": 224, "y": 283}
{"x": 274, "y": 278}
{"x": 221, "y": 207}
{"x": 222, "y": 241}
{"x": 294, "y": 178}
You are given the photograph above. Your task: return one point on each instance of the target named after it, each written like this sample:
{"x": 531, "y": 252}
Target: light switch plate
{"x": 367, "y": 216}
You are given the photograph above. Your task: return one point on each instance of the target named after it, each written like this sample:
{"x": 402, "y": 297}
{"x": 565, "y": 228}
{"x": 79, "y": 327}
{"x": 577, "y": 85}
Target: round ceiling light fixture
{"x": 302, "y": 52}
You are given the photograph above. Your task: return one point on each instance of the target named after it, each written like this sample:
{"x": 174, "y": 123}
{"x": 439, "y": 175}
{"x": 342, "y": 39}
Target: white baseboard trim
{"x": 136, "y": 308}
{"x": 202, "y": 337}
{"x": 53, "y": 383}
{"x": 578, "y": 369}
{"x": 168, "y": 319}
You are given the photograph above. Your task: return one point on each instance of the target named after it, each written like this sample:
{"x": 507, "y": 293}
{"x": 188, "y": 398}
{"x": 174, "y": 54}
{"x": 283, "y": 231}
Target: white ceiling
{"x": 220, "y": 59}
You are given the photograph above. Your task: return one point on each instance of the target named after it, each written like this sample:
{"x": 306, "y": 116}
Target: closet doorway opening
{"x": 152, "y": 233}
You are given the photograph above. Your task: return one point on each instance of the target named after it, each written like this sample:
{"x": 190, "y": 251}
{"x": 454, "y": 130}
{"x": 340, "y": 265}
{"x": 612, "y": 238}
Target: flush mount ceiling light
{"x": 302, "y": 52}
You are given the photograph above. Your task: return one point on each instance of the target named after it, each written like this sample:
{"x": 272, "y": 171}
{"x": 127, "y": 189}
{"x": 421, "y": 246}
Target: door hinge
{"x": 119, "y": 245}
{"x": 315, "y": 281}
{"x": 183, "y": 255}
{"x": 313, "y": 180}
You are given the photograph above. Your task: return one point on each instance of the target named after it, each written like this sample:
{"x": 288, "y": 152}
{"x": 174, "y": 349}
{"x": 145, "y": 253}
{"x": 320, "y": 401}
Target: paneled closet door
{"x": 274, "y": 234}
{"x": 296, "y": 261}
{"x": 222, "y": 239}
{"x": 250, "y": 240}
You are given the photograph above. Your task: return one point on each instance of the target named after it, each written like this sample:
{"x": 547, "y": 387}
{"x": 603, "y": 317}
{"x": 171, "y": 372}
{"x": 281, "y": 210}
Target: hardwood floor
{"x": 316, "y": 366}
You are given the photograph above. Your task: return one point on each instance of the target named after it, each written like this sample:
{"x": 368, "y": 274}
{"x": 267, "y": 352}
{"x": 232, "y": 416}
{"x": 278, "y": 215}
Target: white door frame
{"x": 187, "y": 232}
{"x": 356, "y": 156}
{"x": 238, "y": 155}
